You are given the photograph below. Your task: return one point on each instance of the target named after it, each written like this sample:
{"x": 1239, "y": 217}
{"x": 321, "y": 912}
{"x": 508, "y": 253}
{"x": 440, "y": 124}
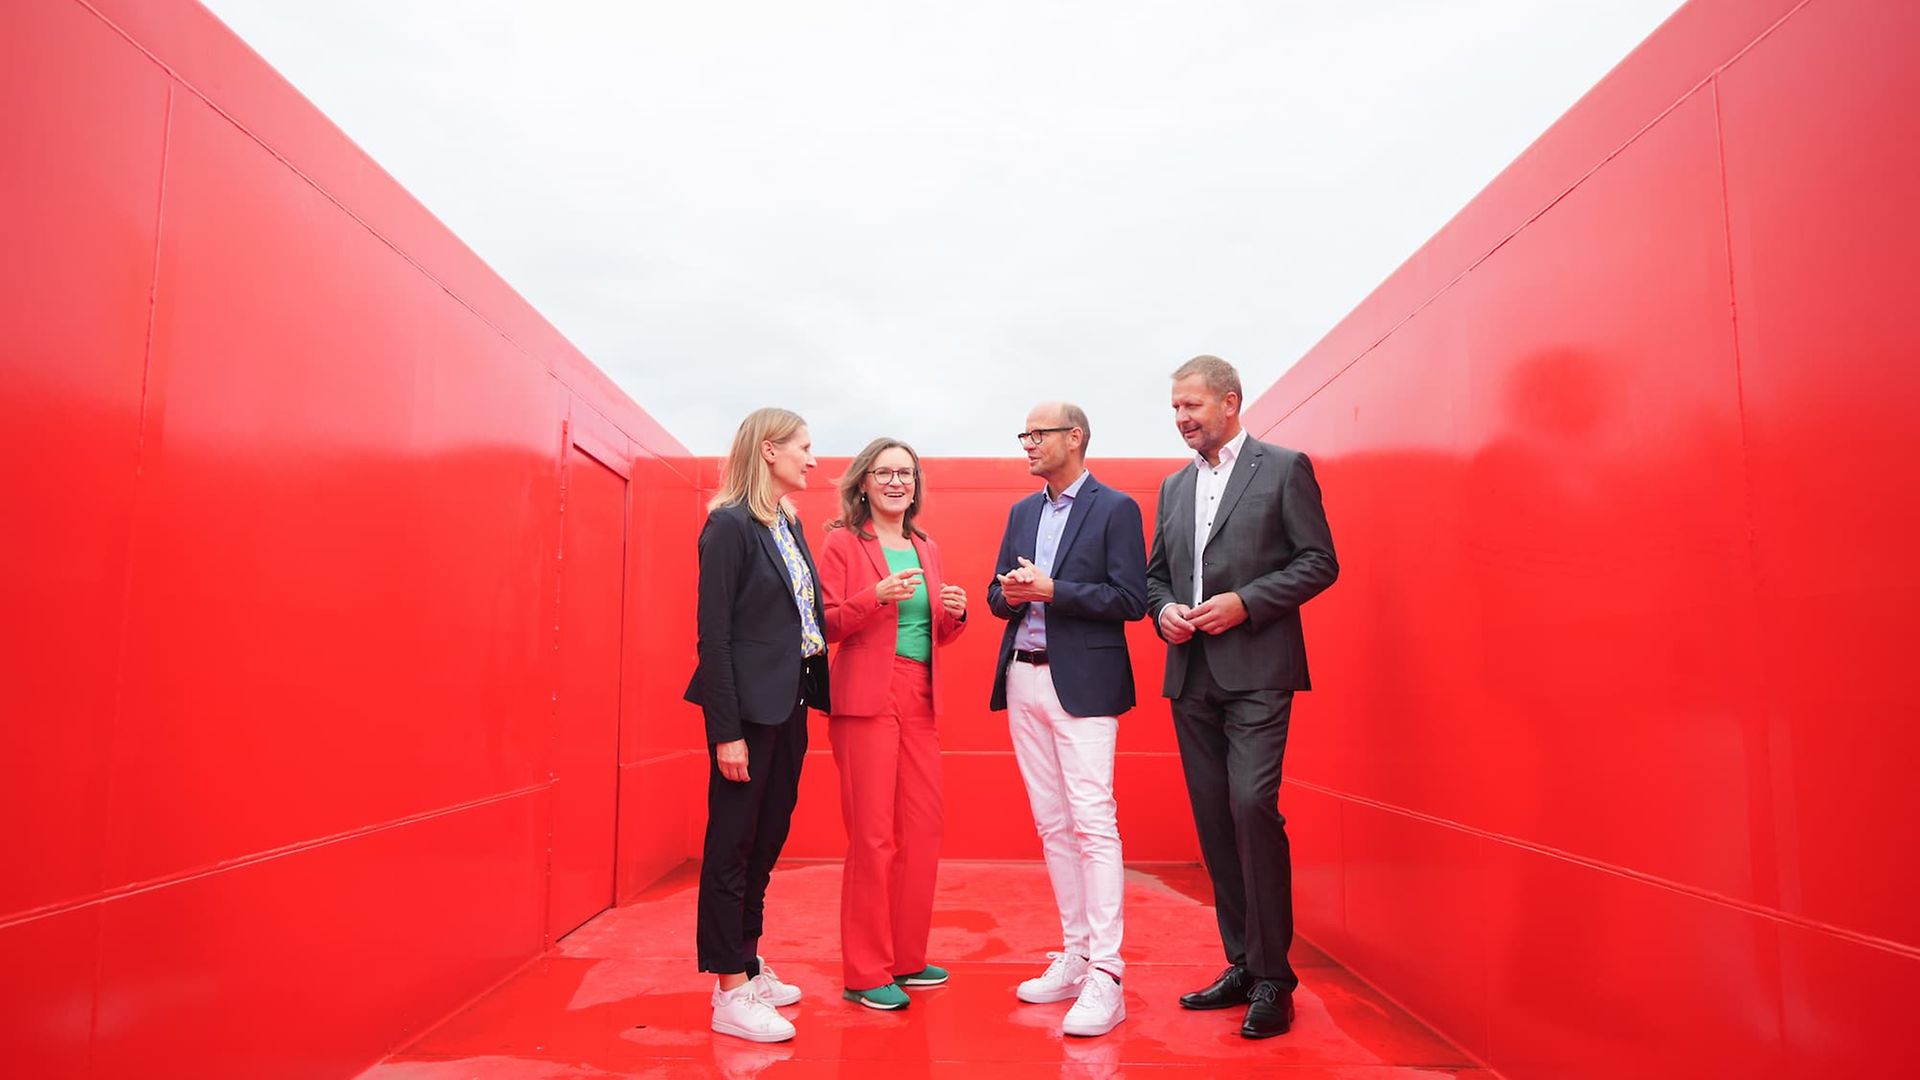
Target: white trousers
{"x": 1067, "y": 763}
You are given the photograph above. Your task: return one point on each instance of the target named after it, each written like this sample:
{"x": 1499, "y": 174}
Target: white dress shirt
{"x": 1208, "y": 486}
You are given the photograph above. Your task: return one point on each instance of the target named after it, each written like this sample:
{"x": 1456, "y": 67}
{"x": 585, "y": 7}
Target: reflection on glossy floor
{"x": 620, "y": 997}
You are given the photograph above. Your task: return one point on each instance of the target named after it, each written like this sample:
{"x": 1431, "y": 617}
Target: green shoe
{"x": 883, "y": 997}
{"x": 926, "y": 976}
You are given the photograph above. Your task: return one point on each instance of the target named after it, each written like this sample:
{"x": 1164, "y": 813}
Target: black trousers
{"x": 747, "y": 826}
{"x": 1231, "y": 746}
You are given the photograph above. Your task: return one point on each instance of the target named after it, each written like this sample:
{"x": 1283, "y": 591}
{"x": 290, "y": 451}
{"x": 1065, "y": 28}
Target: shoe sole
{"x": 751, "y": 1035}
{"x": 920, "y": 984}
{"x": 1089, "y": 1032}
{"x": 870, "y": 1003}
{"x": 1037, "y": 998}
{"x": 1209, "y": 1008}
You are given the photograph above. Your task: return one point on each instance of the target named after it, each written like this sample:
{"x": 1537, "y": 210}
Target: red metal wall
{"x": 1609, "y": 769}
{"x": 290, "y": 764}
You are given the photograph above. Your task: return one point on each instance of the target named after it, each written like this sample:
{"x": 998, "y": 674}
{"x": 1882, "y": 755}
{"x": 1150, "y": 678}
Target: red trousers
{"x": 891, "y": 803}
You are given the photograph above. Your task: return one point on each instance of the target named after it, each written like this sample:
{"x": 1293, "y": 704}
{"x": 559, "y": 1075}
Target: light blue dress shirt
{"x": 1032, "y": 635}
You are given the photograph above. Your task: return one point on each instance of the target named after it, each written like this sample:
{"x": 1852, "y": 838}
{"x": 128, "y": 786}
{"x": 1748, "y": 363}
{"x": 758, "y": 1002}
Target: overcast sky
{"x": 917, "y": 218}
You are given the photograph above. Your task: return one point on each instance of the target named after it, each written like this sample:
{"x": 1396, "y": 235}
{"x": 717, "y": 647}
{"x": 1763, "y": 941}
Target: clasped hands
{"x": 900, "y": 586}
{"x": 1215, "y": 615}
{"x": 1026, "y": 584}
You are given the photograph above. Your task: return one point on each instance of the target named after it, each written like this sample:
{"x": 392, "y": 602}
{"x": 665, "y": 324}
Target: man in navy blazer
{"x": 1072, "y": 572}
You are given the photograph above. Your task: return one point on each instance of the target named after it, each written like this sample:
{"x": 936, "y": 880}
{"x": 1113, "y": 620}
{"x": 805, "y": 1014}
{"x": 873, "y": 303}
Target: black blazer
{"x": 1270, "y": 543}
{"x": 750, "y": 665}
{"x": 1099, "y": 583}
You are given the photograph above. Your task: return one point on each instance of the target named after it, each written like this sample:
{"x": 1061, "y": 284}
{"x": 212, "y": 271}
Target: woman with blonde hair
{"x": 888, "y": 609}
{"x": 762, "y": 663}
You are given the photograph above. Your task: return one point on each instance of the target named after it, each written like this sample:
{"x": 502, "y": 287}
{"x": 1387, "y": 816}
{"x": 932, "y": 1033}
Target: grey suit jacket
{"x": 1270, "y": 544}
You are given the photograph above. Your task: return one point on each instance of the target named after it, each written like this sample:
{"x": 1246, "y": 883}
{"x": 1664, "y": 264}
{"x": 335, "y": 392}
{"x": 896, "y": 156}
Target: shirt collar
{"x": 1071, "y": 491}
{"x": 1229, "y": 452}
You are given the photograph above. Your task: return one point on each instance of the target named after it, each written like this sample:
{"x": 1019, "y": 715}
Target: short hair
{"x": 1075, "y": 416}
{"x": 1221, "y": 378}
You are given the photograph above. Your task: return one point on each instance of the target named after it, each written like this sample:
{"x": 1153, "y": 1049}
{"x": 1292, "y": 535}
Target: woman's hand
{"x": 897, "y": 587}
{"x": 733, "y": 760}
{"x": 954, "y": 599}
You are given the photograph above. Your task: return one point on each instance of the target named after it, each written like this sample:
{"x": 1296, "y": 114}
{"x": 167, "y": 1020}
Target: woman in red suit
{"x": 887, "y": 609}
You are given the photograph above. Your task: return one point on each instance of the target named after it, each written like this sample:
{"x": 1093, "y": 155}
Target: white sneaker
{"x": 1100, "y": 1007}
{"x": 741, "y": 1013}
{"x": 1059, "y": 982}
{"x": 771, "y": 989}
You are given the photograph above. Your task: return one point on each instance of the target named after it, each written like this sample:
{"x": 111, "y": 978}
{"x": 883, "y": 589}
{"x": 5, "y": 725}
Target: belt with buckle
{"x": 1037, "y": 656}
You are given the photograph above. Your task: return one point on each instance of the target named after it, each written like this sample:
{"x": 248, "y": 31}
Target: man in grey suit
{"x": 1239, "y": 543}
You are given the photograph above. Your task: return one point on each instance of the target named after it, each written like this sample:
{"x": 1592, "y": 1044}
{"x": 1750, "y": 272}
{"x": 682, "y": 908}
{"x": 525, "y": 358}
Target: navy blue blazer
{"x": 1099, "y": 584}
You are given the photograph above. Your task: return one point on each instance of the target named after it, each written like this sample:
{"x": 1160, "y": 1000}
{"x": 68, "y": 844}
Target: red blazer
{"x": 864, "y": 628}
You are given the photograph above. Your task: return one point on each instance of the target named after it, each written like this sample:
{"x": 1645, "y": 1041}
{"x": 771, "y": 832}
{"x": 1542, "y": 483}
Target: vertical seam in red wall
{"x": 126, "y": 573}
{"x": 563, "y": 472}
{"x": 621, "y": 652}
{"x": 1770, "y": 856}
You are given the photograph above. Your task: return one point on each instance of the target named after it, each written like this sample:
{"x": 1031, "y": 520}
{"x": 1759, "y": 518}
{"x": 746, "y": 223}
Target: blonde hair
{"x": 746, "y": 477}
{"x": 855, "y": 514}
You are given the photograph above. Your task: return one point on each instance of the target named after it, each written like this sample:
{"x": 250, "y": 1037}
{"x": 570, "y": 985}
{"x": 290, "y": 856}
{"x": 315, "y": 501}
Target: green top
{"x": 915, "y": 639}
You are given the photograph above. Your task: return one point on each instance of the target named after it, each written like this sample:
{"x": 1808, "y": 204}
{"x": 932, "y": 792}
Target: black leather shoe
{"x": 1269, "y": 1011}
{"x": 1226, "y": 992}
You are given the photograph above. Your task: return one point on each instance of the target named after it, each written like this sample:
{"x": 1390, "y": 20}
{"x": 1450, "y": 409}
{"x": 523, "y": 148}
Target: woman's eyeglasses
{"x": 892, "y": 476}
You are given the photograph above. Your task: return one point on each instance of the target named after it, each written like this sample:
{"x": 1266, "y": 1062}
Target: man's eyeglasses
{"x": 892, "y": 476}
{"x": 1037, "y": 435}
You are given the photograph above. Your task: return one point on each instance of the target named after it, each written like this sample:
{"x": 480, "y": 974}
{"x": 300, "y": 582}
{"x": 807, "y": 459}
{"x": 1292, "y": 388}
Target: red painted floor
{"x": 620, "y": 997}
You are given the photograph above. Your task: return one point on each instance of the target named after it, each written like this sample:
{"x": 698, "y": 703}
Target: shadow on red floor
{"x": 621, "y": 997}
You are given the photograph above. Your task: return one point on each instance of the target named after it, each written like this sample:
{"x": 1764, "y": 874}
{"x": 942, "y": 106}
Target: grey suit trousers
{"x": 1232, "y": 743}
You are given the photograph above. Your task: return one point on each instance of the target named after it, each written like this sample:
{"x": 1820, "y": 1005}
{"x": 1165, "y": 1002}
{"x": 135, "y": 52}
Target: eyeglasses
{"x": 892, "y": 476}
{"x": 1038, "y": 435}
